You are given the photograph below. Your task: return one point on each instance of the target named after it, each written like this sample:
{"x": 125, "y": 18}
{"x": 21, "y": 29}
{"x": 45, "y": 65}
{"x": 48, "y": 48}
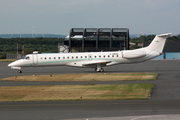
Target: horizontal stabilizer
{"x": 164, "y": 35}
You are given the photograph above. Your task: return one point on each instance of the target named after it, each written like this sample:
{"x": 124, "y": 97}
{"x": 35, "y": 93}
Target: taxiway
{"x": 165, "y": 97}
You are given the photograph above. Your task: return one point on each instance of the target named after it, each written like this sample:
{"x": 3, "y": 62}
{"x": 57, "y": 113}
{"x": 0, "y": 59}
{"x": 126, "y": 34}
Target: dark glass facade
{"x": 97, "y": 39}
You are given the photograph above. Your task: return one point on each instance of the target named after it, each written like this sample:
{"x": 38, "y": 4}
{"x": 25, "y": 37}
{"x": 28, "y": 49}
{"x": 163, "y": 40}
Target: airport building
{"x": 97, "y": 39}
{"x": 171, "y": 50}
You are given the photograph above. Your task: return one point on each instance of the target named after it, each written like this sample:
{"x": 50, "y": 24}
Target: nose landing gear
{"x": 20, "y": 71}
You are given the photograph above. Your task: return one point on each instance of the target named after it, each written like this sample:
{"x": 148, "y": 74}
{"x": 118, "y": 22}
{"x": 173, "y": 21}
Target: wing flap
{"x": 94, "y": 64}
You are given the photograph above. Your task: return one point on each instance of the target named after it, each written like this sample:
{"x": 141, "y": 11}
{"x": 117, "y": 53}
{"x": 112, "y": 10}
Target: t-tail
{"x": 153, "y": 50}
{"x": 157, "y": 45}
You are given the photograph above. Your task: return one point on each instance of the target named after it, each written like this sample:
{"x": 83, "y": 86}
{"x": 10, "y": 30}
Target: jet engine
{"x": 129, "y": 54}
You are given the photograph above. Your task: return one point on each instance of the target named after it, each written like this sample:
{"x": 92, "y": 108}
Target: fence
{"x": 13, "y": 56}
{"x": 169, "y": 56}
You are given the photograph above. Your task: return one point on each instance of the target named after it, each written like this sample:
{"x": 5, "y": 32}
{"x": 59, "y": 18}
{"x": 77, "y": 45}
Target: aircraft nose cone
{"x": 11, "y": 64}
{"x": 15, "y": 63}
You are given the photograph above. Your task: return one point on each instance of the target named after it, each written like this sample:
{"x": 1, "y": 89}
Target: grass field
{"x": 87, "y": 77}
{"x": 75, "y": 92}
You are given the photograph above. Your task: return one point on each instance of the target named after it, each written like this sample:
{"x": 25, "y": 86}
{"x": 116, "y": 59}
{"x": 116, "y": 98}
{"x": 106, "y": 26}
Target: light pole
{"x": 17, "y": 50}
{"x": 23, "y": 50}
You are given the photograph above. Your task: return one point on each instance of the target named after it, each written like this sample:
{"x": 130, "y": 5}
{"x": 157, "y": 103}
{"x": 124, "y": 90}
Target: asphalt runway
{"x": 165, "y": 99}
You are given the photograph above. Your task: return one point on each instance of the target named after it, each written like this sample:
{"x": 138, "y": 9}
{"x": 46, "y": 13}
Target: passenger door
{"x": 35, "y": 59}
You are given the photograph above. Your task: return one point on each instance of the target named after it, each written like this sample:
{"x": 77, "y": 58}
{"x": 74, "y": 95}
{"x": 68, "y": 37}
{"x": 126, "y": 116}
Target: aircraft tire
{"x": 101, "y": 70}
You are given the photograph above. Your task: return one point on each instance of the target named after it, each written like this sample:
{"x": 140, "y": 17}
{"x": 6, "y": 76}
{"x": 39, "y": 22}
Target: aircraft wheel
{"x": 101, "y": 70}
{"x": 20, "y": 71}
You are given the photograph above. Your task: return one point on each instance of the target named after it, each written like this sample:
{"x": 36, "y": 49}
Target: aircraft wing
{"x": 94, "y": 64}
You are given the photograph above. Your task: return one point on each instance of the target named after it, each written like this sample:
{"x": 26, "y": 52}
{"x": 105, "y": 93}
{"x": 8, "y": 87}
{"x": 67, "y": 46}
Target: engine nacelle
{"x": 129, "y": 54}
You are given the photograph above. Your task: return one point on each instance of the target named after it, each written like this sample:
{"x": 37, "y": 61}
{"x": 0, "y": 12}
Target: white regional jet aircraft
{"x": 95, "y": 60}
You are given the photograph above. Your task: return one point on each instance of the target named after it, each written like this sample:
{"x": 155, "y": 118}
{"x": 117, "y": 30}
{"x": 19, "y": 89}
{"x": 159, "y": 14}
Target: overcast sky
{"x": 59, "y": 16}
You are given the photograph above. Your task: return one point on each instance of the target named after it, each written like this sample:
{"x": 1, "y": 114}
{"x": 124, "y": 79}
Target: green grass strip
{"x": 76, "y": 92}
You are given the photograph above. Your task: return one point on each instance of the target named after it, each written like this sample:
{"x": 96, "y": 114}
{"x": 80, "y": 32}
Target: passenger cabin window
{"x": 104, "y": 56}
{"x": 108, "y": 56}
{"x": 72, "y": 57}
{"x": 94, "y": 56}
{"x": 63, "y": 57}
{"x": 76, "y": 56}
{"x": 49, "y": 57}
{"x": 85, "y": 56}
{"x": 112, "y": 55}
{"x": 99, "y": 56}
{"x": 54, "y": 57}
{"x": 45, "y": 58}
{"x": 58, "y": 57}
{"x": 81, "y": 57}
{"x": 67, "y": 57}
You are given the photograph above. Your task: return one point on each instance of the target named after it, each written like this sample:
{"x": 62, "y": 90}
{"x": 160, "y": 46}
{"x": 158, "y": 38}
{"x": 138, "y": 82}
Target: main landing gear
{"x": 99, "y": 69}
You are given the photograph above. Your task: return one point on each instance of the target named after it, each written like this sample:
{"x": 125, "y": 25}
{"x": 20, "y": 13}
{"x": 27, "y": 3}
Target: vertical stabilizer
{"x": 158, "y": 43}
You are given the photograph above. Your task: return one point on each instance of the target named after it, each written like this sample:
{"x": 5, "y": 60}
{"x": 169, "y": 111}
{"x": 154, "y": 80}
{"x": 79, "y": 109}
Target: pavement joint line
{"x": 140, "y": 117}
{"x": 3, "y": 67}
{"x": 83, "y": 104}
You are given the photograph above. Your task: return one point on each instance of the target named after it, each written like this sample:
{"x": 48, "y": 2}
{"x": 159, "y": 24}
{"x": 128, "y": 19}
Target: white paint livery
{"x": 129, "y": 54}
{"x": 95, "y": 60}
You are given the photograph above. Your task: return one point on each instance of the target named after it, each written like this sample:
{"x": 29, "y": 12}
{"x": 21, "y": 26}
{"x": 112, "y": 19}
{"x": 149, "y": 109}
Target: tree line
{"x": 149, "y": 38}
{"x": 9, "y": 45}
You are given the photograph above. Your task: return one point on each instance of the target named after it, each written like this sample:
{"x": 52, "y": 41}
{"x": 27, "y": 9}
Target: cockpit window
{"x": 27, "y": 58}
